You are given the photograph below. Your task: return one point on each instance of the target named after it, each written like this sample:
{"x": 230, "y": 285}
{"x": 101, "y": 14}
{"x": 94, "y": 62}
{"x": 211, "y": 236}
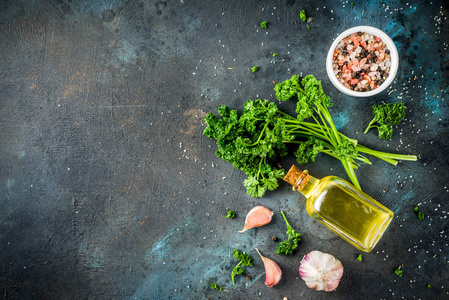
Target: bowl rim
{"x": 393, "y": 68}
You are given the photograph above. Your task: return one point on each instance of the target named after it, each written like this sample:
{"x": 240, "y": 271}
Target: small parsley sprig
{"x": 215, "y": 286}
{"x": 385, "y": 117}
{"x": 419, "y": 214}
{"x": 286, "y": 247}
{"x": 398, "y": 271}
{"x": 231, "y": 214}
{"x": 302, "y": 15}
{"x": 359, "y": 258}
{"x": 255, "y": 69}
{"x": 264, "y": 24}
{"x": 245, "y": 260}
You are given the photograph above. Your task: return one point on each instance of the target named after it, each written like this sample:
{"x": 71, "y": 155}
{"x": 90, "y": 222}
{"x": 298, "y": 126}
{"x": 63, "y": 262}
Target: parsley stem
{"x": 329, "y": 120}
{"x": 236, "y": 267}
{"x": 258, "y": 140}
{"x": 388, "y": 157}
{"x": 350, "y": 170}
{"x": 364, "y": 159}
{"x": 369, "y": 125}
{"x": 329, "y": 135}
{"x": 304, "y": 134}
{"x": 330, "y": 153}
{"x": 260, "y": 167}
{"x": 285, "y": 218}
{"x": 287, "y": 115}
{"x": 264, "y": 159}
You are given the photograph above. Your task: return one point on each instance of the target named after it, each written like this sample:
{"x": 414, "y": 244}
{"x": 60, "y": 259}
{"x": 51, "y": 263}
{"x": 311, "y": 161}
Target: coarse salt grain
{"x": 355, "y": 55}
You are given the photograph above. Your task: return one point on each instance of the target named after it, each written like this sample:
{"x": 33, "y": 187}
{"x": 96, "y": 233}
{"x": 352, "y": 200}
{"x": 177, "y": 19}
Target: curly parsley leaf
{"x": 346, "y": 149}
{"x": 419, "y": 213}
{"x": 244, "y": 260}
{"x": 231, "y": 214}
{"x": 215, "y": 286}
{"x": 385, "y": 117}
{"x": 302, "y": 15}
{"x": 307, "y": 151}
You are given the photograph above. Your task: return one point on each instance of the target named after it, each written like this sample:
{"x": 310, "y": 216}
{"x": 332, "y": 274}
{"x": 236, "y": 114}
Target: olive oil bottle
{"x": 338, "y": 205}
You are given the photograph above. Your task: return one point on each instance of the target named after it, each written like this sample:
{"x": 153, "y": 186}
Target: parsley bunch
{"x": 385, "y": 117}
{"x": 255, "y": 141}
{"x": 287, "y": 247}
{"x": 245, "y": 260}
{"x": 251, "y": 143}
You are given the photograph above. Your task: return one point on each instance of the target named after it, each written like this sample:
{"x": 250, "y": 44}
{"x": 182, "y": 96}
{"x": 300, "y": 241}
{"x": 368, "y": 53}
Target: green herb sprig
{"x": 287, "y": 247}
{"x": 398, "y": 271}
{"x": 385, "y": 117}
{"x": 215, "y": 286}
{"x": 231, "y": 214}
{"x": 419, "y": 213}
{"x": 359, "y": 258}
{"x": 245, "y": 260}
{"x": 264, "y": 24}
{"x": 255, "y": 69}
{"x": 302, "y": 15}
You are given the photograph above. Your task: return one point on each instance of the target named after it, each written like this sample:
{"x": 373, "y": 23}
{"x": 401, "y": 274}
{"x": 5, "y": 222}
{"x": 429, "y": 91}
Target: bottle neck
{"x": 301, "y": 181}
{"x": 310, "y": 186}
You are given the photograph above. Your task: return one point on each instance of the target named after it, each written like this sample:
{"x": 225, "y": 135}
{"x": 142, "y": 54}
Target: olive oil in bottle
{"x": 338, "y": 205}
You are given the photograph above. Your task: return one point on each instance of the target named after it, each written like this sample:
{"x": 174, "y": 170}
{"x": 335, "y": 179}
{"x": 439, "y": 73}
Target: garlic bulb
{"x": 273, "y": 273}
{"x": 321, "y": 271}
{"x": 256, "y": 217}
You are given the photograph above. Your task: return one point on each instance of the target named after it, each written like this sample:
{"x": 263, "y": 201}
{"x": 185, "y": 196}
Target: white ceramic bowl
{"x": 393, "y": 68}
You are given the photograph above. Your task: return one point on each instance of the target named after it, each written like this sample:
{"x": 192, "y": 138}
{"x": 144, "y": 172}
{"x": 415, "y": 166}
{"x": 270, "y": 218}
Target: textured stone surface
{"x": 108, "y": 190}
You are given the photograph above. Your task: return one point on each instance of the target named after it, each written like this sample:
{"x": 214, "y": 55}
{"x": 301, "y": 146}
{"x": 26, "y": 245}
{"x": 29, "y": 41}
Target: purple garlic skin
{"x": 321, "y": 271}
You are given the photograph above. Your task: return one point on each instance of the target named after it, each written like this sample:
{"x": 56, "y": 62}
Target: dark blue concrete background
{"x": 108, "y": 190}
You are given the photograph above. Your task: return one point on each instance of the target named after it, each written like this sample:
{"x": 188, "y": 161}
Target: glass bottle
{"x": 341, "y": 207}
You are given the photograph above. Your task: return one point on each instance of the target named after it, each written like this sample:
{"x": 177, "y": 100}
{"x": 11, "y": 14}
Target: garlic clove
{"x": 273, "y": 273}
{"x": 256, "y": 217}
{"x": 321, "y": 271}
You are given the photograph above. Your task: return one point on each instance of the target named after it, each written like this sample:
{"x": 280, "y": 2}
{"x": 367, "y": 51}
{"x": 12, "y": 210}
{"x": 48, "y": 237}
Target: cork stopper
{"x": 297, "y": 178}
